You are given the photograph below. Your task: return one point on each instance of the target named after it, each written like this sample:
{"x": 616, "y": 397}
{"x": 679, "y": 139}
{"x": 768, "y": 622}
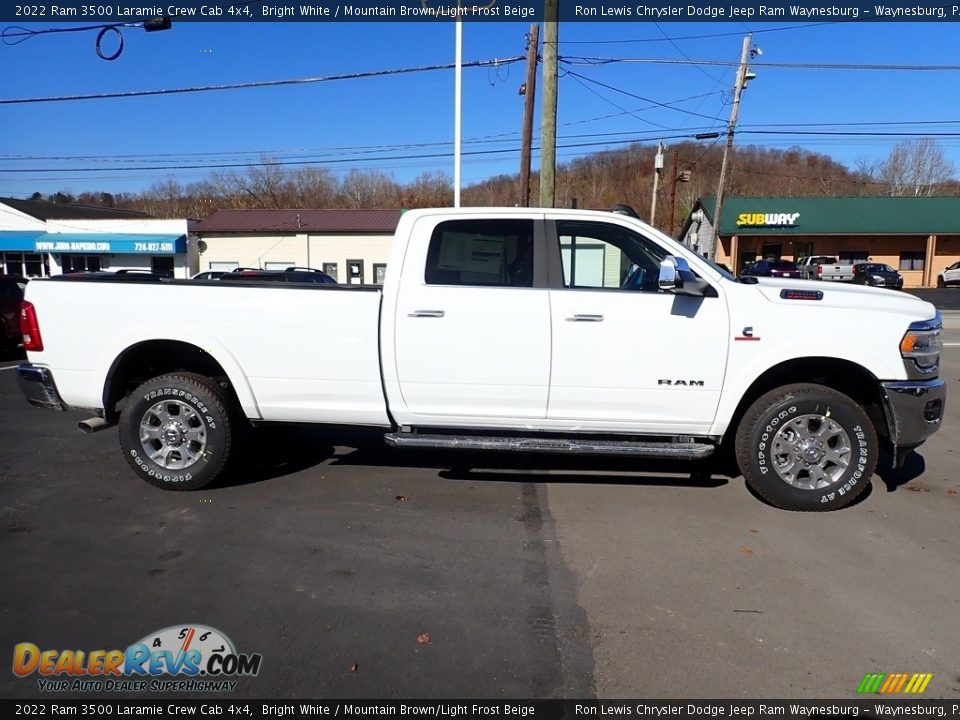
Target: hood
{"x": 848, "y": 295}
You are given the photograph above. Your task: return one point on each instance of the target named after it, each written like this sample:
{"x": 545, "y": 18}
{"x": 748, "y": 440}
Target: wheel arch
{"x": 844, "y": 376}
{"x": 150, "y": 358}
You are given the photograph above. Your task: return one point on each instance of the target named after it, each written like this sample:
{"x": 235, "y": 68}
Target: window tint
{"x": 481, "y": 252}
{"x": 598, "y": 255}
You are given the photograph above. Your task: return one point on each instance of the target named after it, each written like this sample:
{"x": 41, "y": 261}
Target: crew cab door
{"x": 628, "y": 357}
{"x": 472, "y": 322}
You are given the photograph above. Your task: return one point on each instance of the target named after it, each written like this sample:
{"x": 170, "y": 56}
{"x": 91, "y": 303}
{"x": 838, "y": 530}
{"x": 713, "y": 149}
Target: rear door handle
{"x": 585, "y": 318}
{"x": 426, "y": 313}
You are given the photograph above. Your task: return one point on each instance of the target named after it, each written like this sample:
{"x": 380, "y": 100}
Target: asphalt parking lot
{"x": 537, "y": 577}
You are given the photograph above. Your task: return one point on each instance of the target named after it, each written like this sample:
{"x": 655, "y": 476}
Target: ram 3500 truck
{"x": 505, "y": 329}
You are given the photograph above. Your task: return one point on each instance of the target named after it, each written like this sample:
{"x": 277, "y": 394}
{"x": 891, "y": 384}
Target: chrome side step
{"x": 584, "y": 446}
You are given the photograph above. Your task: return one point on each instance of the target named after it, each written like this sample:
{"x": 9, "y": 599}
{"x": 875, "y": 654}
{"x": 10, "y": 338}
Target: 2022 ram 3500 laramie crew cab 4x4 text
{"x": 505, "y": 329}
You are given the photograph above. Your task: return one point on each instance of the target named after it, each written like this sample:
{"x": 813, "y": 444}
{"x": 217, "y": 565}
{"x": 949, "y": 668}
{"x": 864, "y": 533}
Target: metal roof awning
{"x": 94, "y": 243}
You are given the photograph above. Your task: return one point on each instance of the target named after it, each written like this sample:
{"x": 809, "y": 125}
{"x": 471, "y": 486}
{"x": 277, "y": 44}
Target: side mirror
{"x": 676, "y": 277}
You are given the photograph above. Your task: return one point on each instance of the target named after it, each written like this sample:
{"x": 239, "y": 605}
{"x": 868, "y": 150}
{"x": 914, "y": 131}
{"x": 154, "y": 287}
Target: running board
{"x": 671, "y": 450}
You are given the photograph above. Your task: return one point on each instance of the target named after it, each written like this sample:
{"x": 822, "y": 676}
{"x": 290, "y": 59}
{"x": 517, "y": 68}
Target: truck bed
{"x": 294, "y": 352}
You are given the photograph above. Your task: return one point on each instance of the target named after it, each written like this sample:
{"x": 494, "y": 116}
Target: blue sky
{"x": 328, "y": 120}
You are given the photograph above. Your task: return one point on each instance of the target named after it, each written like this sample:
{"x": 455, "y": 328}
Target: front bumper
{"x": 914, "y": 410}
{"x": 37, "y": 385}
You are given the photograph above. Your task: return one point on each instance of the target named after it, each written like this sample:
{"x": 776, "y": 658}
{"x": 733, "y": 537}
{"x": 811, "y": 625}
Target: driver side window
{"x": 612, "y": 257}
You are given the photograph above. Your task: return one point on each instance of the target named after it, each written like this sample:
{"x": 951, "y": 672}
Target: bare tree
{"x": 918, "y": 168}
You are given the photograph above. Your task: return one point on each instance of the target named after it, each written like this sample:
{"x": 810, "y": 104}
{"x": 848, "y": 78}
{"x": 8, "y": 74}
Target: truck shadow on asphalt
{"x": 271, "y": 452}
{"x": 275, "y": 451}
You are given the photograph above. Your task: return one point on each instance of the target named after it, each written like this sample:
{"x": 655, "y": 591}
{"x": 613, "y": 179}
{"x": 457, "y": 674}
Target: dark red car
{"x": 773, "y": 268}
{"x": 11, "y": 295}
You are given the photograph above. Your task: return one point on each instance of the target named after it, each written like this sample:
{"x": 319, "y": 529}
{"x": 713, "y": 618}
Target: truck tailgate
{"x": 293, "y": 353}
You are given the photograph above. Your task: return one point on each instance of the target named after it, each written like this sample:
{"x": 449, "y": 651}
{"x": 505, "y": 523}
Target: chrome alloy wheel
{"x": 173, "y": 434}
{"x": 811, "y": 452}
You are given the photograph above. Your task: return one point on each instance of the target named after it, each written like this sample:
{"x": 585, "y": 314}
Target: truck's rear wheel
{"x": 176, "y": 431}
{"x": 806, "y": 447}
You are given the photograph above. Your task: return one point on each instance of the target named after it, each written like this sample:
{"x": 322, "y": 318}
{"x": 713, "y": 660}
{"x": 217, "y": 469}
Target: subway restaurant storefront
{"x": 917, "y": 236}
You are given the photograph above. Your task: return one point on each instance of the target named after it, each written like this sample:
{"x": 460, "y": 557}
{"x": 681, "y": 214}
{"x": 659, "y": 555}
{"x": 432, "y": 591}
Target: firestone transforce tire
{"x": 806, "y": 447}
{"x": 176, "y": 431}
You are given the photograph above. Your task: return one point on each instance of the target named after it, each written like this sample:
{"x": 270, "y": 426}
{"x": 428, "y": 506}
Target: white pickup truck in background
{"x": 825, "y": 267}
{"x": 504, "y": 329}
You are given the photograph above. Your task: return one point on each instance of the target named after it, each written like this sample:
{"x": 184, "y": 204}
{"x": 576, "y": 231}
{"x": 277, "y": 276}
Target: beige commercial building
{"x": 918, "y": 236}
{"x": 352, "y": 246}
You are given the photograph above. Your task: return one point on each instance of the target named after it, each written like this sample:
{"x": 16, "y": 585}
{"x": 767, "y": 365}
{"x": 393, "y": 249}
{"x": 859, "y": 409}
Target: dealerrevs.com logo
{"x": 186, "y": 658}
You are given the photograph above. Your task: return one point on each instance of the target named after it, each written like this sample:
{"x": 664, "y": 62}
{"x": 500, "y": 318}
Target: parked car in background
{"x": 772, "y": 268}
{"x": 11, "y": 294}
{"x": 209, "y": 275}
{"x": 877, "y": 274}
{"x": 949, "y": 276}
{"x": 291, "y": 274}
{"x": 810, "y": 266}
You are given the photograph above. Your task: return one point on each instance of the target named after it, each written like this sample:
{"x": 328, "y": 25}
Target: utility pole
{"x": 731, "y": 128}
{"x": 529, "y": 96}
{"x": 678, "y": 177}
{"x": 548, "y": 111}
{"x": 657, "y": 169}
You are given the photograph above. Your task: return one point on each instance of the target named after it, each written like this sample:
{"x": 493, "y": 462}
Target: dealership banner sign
{"x": 107, "y": 243}
{"x": 131, "y": 11}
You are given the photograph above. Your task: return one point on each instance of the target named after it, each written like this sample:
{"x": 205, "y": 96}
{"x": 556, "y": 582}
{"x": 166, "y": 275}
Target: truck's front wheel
{"x": 806, "y": 447}
{"x": 176, "y": 432}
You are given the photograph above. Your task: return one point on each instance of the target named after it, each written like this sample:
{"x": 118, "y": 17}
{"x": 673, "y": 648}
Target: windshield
{"x": 720, "y": 269}
{"x": 875, "y": 267}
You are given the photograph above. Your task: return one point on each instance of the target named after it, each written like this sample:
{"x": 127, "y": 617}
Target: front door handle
{"x": 585, "y": 318}
{"x": 426, "y": 313}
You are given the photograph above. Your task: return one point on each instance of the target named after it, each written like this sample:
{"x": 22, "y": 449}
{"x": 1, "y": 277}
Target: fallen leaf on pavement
{"x": 952, "y": 491}
{"x": 423, "y": 638}
{"x": 754, "y": 531}
{"x": 401, "y": 498}
{"x": 918, "y": 488}
{"x": 746, "y": 550}
{"x": 353, "y": 668}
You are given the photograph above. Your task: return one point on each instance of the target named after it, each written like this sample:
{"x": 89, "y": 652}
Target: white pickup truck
{"x": 825, "y": 267}
{"x": 511, "y": 329}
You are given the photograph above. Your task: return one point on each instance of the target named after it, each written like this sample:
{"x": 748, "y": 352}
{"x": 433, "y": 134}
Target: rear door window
{"x": 492, "y": 253}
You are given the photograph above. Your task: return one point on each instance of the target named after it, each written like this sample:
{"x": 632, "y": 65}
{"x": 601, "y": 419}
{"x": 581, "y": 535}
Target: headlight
{"x": 922, "y": 342}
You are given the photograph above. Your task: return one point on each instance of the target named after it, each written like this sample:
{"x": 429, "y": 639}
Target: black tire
{"x": 200, "y": 431}
{"x": 797, "y": 412}
{"x": 940, "y": 282}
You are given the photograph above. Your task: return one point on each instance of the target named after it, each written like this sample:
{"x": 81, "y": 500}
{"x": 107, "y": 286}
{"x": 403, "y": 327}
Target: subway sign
{"x": 767, "y": 219}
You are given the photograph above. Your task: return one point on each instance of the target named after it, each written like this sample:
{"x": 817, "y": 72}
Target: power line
{"x": 640, "y": 97}
{"x": 589, "y": 61}
{"x": 370, "y": 153}
{"x": 589, "y": 89}
{"x": 324, "y": 162}
{"x": 676, "y": 47}
{"x": 263, "y": 83}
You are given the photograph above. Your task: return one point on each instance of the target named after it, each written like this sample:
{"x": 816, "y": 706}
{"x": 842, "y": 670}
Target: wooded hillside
{"x": 599, "y": 180}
